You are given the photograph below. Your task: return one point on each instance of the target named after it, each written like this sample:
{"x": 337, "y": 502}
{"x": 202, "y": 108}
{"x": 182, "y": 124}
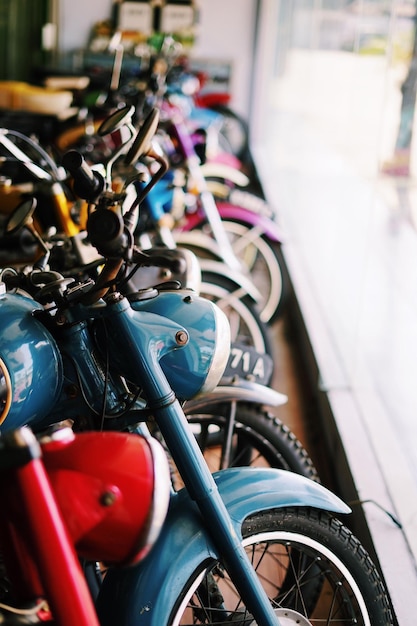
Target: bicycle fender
{"x": 213, "y": 169}
{"x": 240, "y": 391}
{"x": 268, "y": 226}
{"x": 240, "y": 280}
{"x": 146, "y": 594}
{"x": 197, "y": 239}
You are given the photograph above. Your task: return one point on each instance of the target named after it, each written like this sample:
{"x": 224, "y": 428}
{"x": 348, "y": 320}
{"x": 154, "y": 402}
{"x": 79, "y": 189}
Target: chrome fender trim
{"x": 239, "y": 391}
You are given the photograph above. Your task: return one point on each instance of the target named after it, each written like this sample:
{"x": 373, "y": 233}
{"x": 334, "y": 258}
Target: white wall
{"x": 76, "y": 18}
{"x": 225, "y": 32}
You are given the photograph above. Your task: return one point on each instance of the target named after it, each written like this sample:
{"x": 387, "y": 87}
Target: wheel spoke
{"x": 302, "y": 572}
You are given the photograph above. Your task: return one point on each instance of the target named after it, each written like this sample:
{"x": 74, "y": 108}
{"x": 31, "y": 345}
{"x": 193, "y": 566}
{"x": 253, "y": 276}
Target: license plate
{"x": 246, "y": 362}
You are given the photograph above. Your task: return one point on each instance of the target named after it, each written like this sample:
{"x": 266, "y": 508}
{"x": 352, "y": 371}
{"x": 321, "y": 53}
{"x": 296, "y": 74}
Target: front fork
{"x": 191, "y": 465}
{"x": 203, "y": 490}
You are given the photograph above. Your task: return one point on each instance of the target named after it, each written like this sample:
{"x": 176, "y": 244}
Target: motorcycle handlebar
{"x": 88, "y": 184}
{"x": 157, "y": 257}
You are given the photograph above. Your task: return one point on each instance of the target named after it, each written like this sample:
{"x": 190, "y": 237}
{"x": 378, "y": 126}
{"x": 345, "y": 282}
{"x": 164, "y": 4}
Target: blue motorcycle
{"x": 244, "y": 545}
{"x": 232, "y": 424}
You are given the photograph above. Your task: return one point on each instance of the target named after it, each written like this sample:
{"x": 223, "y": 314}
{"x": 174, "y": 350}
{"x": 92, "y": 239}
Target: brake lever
{"x": 176, "y": 264}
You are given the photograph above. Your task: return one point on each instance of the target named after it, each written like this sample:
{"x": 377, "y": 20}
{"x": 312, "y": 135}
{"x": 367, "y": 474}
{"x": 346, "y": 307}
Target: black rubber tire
{"x": 246, "y": 326}
{"x": 286, "y": 547}
{"x": 259, "y": 438}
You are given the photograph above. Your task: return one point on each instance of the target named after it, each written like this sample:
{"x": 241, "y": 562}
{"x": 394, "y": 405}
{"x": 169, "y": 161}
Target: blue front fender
{"x": 146, "y": 594}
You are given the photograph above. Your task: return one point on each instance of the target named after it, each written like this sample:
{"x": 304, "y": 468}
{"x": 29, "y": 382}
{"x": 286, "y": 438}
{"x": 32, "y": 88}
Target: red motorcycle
{"x": 64, "y": 506}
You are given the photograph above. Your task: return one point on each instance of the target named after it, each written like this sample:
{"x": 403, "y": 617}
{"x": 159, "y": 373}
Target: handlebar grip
{"x": 162, "y": 257}
{"x": 88, "y": 184}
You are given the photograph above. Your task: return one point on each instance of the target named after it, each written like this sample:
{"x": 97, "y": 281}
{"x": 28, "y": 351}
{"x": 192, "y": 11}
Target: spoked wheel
{"x": 245, "y": 324}
{"x": 311, "y": 566}
{"x": 234, "y": 132}
{"x": 246, "y": 435}
{"x": 264, "y": 261}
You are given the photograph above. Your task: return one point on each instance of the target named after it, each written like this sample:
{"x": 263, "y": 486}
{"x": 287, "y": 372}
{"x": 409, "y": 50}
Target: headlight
{"x": 221, "y": 350}
{"x": 198, "y": 365}
{"x": 5, "y": 391}
{"x": 112, "y": 489}
{"x": 30, "y": 365}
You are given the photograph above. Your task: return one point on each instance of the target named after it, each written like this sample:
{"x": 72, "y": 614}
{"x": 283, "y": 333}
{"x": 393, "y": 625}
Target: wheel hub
{"x": 288, "y": 617}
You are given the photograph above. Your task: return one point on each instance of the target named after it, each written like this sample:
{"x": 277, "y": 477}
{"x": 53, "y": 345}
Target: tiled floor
{"x": 301, "y": 413}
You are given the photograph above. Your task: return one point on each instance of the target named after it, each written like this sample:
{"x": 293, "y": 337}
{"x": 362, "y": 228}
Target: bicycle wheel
{"x": 264, "y": 261}
{"x": 233, "y": 131}
{"x": 311, "y": 566}
{"x": 255, "y": 438}
{"x": 246, "y": 327}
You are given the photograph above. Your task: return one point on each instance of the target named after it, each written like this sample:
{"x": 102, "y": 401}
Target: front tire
{"x": 312, "y": 567}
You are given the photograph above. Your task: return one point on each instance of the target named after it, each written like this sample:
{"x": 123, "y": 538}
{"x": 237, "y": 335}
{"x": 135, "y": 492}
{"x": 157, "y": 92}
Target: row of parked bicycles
{"x": 145, "y": 480}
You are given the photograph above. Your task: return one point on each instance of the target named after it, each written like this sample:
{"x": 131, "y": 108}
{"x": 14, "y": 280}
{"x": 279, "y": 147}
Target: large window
{"x": 339, "y": 65}
{"x": 327, "y": 111}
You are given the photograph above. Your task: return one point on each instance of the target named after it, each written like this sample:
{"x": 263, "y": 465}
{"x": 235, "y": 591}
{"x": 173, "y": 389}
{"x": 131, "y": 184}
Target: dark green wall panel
{"x": 21, "y": 24}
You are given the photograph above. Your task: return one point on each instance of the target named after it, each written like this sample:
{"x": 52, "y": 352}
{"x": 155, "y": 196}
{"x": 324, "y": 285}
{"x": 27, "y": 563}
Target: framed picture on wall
{"x": 151, "y": 16}
{"x": 177, "y": 17}
{"x": 136, "y": 17}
